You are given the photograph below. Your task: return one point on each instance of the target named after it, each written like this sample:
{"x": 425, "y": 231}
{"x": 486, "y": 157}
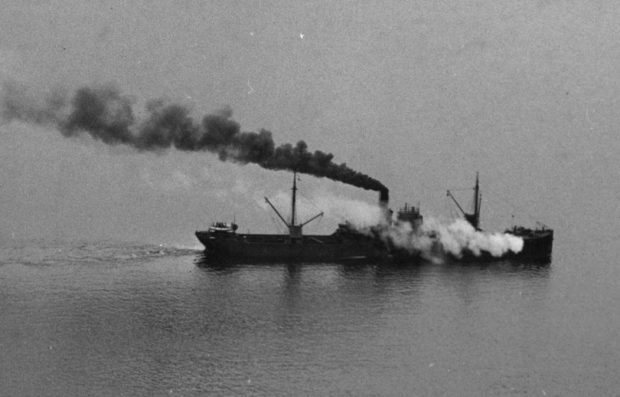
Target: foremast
{"x": 294, "y": 229}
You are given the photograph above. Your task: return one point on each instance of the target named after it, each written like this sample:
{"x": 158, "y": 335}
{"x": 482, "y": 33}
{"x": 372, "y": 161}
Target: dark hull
{"x": 274, "y": 247}
{"x": 537, "y": 247}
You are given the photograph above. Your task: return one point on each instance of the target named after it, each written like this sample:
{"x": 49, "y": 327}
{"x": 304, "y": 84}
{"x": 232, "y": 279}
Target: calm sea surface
{"x": 110, "y": 319}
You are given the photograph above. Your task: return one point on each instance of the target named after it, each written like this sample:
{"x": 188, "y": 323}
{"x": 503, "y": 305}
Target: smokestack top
{"x": 384, "y": 195}
{"x": 384, "y": 198}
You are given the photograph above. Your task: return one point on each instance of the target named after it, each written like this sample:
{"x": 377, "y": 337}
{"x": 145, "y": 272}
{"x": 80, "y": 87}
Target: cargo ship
{"x": 222, "y": 242}
{"x": 537, "y": 242}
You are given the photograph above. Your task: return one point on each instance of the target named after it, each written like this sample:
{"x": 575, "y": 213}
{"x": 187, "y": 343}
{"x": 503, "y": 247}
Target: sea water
{"x": 120, "y": 319}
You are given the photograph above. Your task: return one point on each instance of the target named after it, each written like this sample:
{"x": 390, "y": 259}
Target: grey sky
{"x": 419, "y": 94}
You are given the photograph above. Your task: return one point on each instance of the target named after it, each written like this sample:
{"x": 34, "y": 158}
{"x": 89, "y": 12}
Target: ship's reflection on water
{"x": 525, "y": 269}
{"x": 335, "y": 321}
{"x": 370, "y": 282}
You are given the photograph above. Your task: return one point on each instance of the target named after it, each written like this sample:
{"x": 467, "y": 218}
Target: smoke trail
{"x": 106, "y": 115}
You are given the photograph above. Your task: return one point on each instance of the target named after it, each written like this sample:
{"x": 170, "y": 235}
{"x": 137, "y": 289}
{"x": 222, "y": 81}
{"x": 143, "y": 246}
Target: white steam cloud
{"x": 460, "y": 237}
{"x": 434, "y": 239}
{"x": 359, "y": 214}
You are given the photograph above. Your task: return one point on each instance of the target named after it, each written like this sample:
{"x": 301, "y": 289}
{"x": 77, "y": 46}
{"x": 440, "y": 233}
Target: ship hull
{"x": 537, "y": 247}
{"x": 274, "y": 247}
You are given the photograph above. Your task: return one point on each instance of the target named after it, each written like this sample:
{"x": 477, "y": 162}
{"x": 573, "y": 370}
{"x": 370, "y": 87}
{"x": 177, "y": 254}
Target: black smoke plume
{"x": 107, "y": 115}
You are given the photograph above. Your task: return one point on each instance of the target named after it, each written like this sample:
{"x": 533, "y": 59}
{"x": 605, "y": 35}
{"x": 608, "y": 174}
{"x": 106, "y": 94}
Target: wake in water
{"x": 48, "y": 253}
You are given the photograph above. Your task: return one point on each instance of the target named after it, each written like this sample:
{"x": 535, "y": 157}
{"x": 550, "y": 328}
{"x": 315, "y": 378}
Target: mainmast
{"x": 473, "y": 219}
{"x": 477, "y": 202}
{"x": 293, "y": 198}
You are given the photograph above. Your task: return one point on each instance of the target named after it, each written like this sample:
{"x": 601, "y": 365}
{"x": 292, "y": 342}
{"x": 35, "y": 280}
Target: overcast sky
{"x": 418, "y": 94}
